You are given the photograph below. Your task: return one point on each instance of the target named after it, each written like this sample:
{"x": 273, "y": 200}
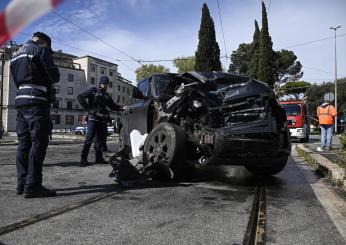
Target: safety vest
{"x": 326, "y": 114}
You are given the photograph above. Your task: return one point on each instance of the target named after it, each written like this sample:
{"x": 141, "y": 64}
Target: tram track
{"x": 256, "y": 229}
{"x": 53, "y": 213}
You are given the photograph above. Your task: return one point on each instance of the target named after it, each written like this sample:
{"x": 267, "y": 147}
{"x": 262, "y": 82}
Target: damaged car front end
{"x": 208, "y": 119}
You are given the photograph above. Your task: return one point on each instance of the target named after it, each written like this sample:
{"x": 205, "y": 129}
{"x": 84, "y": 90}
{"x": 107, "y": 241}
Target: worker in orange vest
{"x": 326, "y": 114}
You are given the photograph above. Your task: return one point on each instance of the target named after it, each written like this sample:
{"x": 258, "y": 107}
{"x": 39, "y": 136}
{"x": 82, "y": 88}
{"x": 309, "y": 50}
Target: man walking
{"x": 326, "y": 114}
{"x": 34, "y": 74}
{"x": 96, "y": 100}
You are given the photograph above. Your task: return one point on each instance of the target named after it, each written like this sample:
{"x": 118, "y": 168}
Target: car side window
{"x": 143, "y": 86}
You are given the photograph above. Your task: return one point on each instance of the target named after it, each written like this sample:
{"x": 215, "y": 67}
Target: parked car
{"x": 208, "y": 118}
{"x": 84, "y": 130}
{"x": 80, "y": 130}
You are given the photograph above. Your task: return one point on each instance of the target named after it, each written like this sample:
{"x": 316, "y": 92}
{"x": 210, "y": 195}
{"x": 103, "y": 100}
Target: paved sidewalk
{"x": 329, "y": 160}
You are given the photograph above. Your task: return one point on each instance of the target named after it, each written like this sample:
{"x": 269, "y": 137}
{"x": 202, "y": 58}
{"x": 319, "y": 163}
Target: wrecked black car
{"x": 214, "y": 118}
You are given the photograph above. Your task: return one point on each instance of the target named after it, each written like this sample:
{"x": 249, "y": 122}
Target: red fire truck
{"x": 297, "y": 119}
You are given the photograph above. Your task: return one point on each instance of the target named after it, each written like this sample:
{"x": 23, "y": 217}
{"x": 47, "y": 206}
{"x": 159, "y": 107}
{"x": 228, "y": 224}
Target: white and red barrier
{"x": 20, "y": 13}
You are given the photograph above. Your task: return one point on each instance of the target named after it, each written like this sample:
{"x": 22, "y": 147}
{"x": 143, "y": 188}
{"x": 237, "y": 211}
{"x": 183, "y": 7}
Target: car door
{"x": 137, "y": 113}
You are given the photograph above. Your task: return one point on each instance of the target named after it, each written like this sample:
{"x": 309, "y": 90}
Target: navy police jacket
{"x": 96, "y": 102}
{"x": 34, "y": 74}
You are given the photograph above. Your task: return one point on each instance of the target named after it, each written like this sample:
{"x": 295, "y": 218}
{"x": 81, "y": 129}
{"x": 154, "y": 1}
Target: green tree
{"x": 266, "y": 72}
{"x": 185, "y": 64}
{"x": 240, "y": 59}
{"x": 287, "y": 68}
{"x": 147, "y": 70}
{"x": 254, "y": 53}
{"x": 208, "y": 51}
{"x": 295, "y": 90}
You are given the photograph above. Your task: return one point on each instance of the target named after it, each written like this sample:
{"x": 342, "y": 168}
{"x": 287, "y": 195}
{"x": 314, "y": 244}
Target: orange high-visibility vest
{"x": 326, "y": 114}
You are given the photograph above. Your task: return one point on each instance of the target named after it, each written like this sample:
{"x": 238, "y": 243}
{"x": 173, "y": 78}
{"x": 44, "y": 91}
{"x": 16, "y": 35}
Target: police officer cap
{"x": 104, "y": 80}
{"x": 43, "y": 36}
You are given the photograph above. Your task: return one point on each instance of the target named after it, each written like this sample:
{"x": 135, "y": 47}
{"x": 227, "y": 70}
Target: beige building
{"x": 76, "y": 75}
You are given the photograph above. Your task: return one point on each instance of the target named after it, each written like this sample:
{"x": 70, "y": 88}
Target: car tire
{"x": 166, "y": 144}
{"x": 275, "y": 166}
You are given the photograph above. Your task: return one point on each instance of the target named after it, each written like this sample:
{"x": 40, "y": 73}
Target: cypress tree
{"x": 208, "y": 51}
{"x": 254, "y": 53}
{"x": 266, "y": 64}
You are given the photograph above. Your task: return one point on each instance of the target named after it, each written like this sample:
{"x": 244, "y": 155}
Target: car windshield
{"x": 292, "y": 110}
{"x": 164, "y": 83}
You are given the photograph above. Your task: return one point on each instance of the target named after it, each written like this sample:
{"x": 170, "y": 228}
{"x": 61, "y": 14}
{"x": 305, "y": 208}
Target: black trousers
{"x": 96, "y": 129}
{"x": 33, "y": 127}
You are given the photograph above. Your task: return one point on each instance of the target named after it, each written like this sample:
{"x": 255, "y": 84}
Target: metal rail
{"x": 256, "y": 229}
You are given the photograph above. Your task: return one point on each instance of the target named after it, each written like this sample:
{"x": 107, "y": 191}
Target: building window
{"x": 55, "y": 104}
{"x": 93, "y": 68}
{"x": 123, "y": 89}
{"x": 128, "y": 91}
{"x": 111, "y": 95}
{"x": 57, "y": 89}
{"x": 69, "y": 105}
{"x": 70, "y": 77}
{"x": 92, "y": 80}
{"x": 55, "y": 119}
{"x": 103, "y": 70}
{"x": 111, "y": 73}
{"x": 69, "y": 90}
{"x": 110, "y": 84}
{"x": 69, "y": 119}
{"x": 118, "y": 100}
{"x": 123, "y": 100}
{"x": 119, "y": 88}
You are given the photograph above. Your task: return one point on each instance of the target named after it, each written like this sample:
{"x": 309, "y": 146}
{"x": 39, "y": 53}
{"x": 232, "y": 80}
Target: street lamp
{"x": 336, "y": 88}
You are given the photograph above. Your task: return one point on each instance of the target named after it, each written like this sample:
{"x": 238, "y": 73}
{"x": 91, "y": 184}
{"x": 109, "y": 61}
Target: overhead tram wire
{"x": 96, "y": 37}
{"x": 223, "y": 34}
{"x": 314, "y": 41}
{"x": 87, "y": 51}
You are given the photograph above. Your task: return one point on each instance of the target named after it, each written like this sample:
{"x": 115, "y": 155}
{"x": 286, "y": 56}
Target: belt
{"x": 30, "y": 85}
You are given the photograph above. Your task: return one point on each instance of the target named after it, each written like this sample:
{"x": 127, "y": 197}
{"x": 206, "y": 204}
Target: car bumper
{"x": 250, "y": 142}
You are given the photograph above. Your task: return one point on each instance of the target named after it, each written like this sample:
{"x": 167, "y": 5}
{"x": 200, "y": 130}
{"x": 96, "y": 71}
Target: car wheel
{"x": 166, "y": 146}
{"x": 275, "y": 166}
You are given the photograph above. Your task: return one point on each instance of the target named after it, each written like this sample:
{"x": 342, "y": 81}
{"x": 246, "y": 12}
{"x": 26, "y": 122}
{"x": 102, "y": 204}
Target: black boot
{"x": 20, "y": 188}
{"x": 100, "y": 161}
{"x": 40, "y": 191}
{"x": 84, "y": 162}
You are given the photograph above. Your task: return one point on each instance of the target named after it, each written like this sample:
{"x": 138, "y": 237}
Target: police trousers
{"x": 33, "y": 127}
{"x": 96, "y": 129}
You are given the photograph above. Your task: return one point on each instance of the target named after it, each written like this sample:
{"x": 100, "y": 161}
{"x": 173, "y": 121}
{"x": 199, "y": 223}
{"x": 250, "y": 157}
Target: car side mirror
{"x": 137, "y": 94}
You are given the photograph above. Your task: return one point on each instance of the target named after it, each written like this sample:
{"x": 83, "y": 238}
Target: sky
{"x": 165, "y": 29}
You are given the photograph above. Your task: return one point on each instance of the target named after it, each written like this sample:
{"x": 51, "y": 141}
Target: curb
{"x": 337, "y": 173}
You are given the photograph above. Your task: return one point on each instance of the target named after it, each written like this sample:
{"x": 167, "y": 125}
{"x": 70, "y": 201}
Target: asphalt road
{"x": 211, "y": 208}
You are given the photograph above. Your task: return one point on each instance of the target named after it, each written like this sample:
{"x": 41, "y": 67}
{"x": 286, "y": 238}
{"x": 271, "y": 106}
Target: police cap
{"x": 44, "y": 37}
{"x": 104, "y": 80}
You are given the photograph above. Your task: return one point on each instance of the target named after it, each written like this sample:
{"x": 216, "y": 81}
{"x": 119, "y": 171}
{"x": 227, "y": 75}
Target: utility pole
{"x": 2, "y": 88}
{"x": 336, "y": 87}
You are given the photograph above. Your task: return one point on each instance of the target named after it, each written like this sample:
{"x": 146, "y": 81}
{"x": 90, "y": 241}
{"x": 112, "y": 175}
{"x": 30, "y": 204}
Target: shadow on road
{"x": 87, "y": 189}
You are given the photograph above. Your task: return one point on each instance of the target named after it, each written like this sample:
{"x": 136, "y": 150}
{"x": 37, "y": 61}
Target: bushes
{"x": 343, "y": 140}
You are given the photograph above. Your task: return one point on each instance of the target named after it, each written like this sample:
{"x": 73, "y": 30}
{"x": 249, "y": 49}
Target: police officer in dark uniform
{"x": 34, "y": 74}
{"x": 96, "y": 100}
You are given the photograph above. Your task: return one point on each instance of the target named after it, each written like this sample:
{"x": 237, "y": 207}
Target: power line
{"x": 87, "y": 51}
{"x": 223, "y": 34}
{"x": 314, "y": 41}
{"x": 96, "y": 37}
{"x": 311, "y": 68}
{"x": 270, "y": 3}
